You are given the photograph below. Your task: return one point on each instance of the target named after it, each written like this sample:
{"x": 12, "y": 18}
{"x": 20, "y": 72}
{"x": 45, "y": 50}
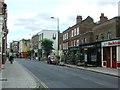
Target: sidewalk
{"x": 107, "y": 71}
{"x": 16, "y": 76}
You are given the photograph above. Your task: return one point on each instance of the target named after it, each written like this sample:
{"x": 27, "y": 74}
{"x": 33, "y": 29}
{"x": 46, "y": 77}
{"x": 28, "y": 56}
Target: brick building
{"x": 3, "y": 31}
{"x": 34, "y": 46}
{"x": 80, "y": 33}
{"x": 98, "y": 43}
{"x": 108, "y": 32}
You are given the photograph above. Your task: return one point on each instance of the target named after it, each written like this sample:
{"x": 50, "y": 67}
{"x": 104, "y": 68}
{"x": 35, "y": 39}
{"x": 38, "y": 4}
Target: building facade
{"x": 24, "y": 48}
{"x": 98, "y": 42}
{"x": 80, "y": 33}
{"x": 14, "y": 46}
{"x": 34, "y": 46}
{"x": 3, "y": 31}
{"x": 108, "y": 34}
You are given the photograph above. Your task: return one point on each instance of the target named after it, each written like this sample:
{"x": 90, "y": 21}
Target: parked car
{"x": 52, "y": 60}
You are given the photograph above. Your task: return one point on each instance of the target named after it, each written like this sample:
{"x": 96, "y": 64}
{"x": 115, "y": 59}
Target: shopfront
{"x": 92, "y": 53}
{"x": 110, "y": 53}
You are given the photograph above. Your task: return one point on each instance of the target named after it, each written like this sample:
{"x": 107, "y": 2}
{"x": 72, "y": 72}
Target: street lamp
{"x": 57, "y": 22}
{"x": 57, "y": 29}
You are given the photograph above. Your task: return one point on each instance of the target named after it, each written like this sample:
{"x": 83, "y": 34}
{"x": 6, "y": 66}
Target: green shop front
{"x": 91, "y": 53}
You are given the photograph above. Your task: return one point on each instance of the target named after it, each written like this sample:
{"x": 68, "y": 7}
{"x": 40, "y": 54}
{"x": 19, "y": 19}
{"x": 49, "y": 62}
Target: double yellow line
{"x": 44, "y": 85}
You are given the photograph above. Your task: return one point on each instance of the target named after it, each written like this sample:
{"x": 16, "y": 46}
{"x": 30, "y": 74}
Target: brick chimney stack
{"x": 78, "y": 19}
{"x": 103, "y": 18}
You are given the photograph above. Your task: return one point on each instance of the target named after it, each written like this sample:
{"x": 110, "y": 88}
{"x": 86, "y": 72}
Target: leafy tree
{"x": 47, "y": 46}
{"x": 72, "y": 57}
{"x": 78, "y": 57}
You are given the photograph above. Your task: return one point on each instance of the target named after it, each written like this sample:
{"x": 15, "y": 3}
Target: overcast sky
{"x": 27, "y": 17}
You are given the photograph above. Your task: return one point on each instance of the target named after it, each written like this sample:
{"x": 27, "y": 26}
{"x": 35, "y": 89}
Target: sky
{"x": 28, "y": 17}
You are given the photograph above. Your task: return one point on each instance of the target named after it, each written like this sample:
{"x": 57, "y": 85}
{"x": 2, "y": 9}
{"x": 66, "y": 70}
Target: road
{"x": 54, "y": 76}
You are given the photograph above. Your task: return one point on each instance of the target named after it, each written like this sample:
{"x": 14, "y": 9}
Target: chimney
{"x": 103, "y": 18}
{"x": 78, "y": 19}
{"x": 1, "y": 0}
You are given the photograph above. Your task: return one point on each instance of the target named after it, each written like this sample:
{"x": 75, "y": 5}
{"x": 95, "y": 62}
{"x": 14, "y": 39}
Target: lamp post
{"x": 57, "y": 29}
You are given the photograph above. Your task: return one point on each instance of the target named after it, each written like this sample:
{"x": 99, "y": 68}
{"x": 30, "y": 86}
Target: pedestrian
{"x": 11, "y": 57}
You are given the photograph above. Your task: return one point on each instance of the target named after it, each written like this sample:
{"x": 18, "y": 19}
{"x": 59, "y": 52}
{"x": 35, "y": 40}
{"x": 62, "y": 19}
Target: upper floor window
{"x": 66, "y": 35}
{"x": 54, "y": 36}
{"x": 97, "y": 37}
{"x": 77, "y": 30}
{"x": 77, "y": 42}
{"x": 85, "y": 40}
{"x": 81, "y": 42}
{"x": 102, "y": 36}
{"x": 72, "y": 33}
{"x": 109, "y": 35}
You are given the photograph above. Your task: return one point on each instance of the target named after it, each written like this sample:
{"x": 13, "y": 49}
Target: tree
{"x": 72, "y": 57}
{"x": 47, "y": 46}
{"x": 78, "y": 57}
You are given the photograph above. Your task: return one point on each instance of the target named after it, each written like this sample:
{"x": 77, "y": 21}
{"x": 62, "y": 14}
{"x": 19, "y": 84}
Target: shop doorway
{"x": 114, "y": 65}
{"x": 106, "y": 56}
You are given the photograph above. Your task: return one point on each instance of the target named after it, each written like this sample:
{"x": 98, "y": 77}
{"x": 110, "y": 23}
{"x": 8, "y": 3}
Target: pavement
{"x": 102, "y": 70}
{"x": 17, "y": 76}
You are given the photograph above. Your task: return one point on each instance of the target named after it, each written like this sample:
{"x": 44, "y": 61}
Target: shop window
{"x": 109, "y": 35}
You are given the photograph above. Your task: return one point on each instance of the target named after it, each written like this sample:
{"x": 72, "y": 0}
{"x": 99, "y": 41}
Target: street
{"x": 54, "y": 76}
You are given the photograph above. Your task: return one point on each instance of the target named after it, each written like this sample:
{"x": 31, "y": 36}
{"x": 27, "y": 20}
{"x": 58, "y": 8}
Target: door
{"x": 114, "y": 63}
{"x": 106, "y": 56}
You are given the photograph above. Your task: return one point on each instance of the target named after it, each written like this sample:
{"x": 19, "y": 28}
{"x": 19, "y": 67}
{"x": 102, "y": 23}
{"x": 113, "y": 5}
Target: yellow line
{"x": 44, "y": 85}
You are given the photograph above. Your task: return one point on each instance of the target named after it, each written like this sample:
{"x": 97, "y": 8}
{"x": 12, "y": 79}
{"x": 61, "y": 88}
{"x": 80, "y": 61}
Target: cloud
{"x": 32, "y": 16}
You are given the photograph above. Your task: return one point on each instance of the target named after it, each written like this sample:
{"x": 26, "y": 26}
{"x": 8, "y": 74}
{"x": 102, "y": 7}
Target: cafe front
{"x": 91, "y": 53}
{"x": 110, "y": 53}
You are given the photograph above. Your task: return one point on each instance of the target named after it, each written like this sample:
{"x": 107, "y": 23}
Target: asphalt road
{"x": 54, "y": 76}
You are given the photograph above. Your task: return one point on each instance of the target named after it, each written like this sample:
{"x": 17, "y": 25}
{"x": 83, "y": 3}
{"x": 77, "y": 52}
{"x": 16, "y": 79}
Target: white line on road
{"x": 98, "y": 83}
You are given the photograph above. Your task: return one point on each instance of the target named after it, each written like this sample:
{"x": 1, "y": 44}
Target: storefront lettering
{"x": 111, "y": 43}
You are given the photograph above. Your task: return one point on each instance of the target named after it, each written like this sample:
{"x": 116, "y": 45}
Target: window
{"x": 54, "y": 36}
{"x": 72, "y": 33}
{"x": 63, "y": 37}
{"x": 81, "y": 42}
{"x": 72, "y": 43}
{"x": 77, "y": 30}
{"x": 109, "y": 35}
{"x": 77, "y": 42}
{"x": 102, "y": 36}
{"x": 65, "y": 45}
{"x": 85, "y": 40}
{"x": 97, "y": 37}
{"x": 66, "y": 35}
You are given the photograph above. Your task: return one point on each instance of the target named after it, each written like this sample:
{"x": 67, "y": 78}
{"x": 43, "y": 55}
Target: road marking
{"x": 44, "y": 85}
{"x": 34, "y": 77}
{"x": 98, "y": 83}
{"x": 93, "y": 81}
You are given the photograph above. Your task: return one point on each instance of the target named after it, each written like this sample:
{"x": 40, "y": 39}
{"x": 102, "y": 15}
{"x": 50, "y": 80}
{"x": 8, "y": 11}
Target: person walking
{"x": 11, "y": 57}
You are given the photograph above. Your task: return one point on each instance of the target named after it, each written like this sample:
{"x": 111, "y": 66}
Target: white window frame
{"x": 77, "y": 30}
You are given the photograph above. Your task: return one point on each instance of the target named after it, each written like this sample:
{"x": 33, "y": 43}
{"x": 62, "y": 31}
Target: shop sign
{"x": 111, "y": 43}
{"x": 85, "y": 49}
{"x": 89, "y": 46}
